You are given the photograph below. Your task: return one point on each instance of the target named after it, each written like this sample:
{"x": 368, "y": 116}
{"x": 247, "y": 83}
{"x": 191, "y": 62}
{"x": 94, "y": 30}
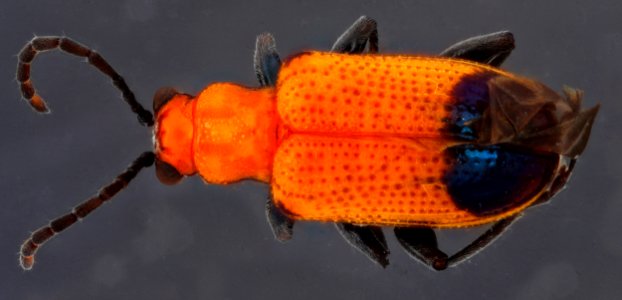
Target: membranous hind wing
{"x": 527, "y": 113}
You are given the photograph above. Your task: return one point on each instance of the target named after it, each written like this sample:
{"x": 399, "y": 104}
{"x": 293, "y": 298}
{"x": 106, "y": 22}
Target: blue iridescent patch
{"x": 486, "y": 180}
{"x": 471, "y": 100}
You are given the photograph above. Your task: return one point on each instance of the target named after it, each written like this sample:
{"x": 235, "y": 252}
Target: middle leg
{"x": 357, "y": 36}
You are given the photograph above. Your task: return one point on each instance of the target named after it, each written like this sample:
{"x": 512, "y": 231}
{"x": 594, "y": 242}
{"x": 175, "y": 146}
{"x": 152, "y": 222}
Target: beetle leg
{"x": 421, "y": 244}
{"x": 491, "y": 49}
{"x": 282, "y": 226}
{"x": 367, "y": 239}
{"x": 266, "y": 60}
{"x": 482, "y": 241}
{"x": 354, "y": 39}
{"x": 559, "y": 182}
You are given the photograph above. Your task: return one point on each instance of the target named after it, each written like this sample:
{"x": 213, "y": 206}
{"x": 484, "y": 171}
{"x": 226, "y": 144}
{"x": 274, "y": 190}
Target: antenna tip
{"x": 26, "y": 262}
{"x": 37, "y": 103}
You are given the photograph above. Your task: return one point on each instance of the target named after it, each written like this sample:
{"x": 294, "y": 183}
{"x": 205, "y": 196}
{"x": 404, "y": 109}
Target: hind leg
{"x": 421, "y": 244}
{"x": 491, "y": 49}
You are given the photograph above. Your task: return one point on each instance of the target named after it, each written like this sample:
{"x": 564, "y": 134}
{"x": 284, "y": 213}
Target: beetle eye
{"x": 166, "y": 173}
{"x": 161, "y": 96}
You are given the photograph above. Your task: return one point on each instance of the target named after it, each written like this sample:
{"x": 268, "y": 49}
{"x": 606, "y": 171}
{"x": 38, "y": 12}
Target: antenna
{"x": 31, "y": 245}
{"x": 65, "y": 44}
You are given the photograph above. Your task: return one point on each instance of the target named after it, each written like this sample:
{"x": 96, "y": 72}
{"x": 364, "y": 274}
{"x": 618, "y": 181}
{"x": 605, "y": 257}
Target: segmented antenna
{"x": 65, "y": 44}
{"x": 31, "y": 245}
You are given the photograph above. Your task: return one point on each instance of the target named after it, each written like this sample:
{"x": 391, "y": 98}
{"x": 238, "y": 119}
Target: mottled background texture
{"x": 198, "y": 241}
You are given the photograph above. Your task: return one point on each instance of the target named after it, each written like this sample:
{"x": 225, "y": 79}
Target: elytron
{"x": 360, "y": 139}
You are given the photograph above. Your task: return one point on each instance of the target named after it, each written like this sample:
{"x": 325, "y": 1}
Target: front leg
{"x": 266, "y": 60}
{"x": 282, "y": 226}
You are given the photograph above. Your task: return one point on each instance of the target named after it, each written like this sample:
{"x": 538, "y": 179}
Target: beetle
{"x": 360, "y": 139}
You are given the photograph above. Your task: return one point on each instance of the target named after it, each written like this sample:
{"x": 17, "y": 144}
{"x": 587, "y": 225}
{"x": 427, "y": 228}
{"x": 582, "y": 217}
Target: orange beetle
{"x": 362, "y": 140}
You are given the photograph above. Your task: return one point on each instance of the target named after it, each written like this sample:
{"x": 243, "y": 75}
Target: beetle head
{"x": 173, "y": 135}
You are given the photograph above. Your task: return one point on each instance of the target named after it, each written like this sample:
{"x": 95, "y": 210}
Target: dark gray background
{"x": 198, "y": 241}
